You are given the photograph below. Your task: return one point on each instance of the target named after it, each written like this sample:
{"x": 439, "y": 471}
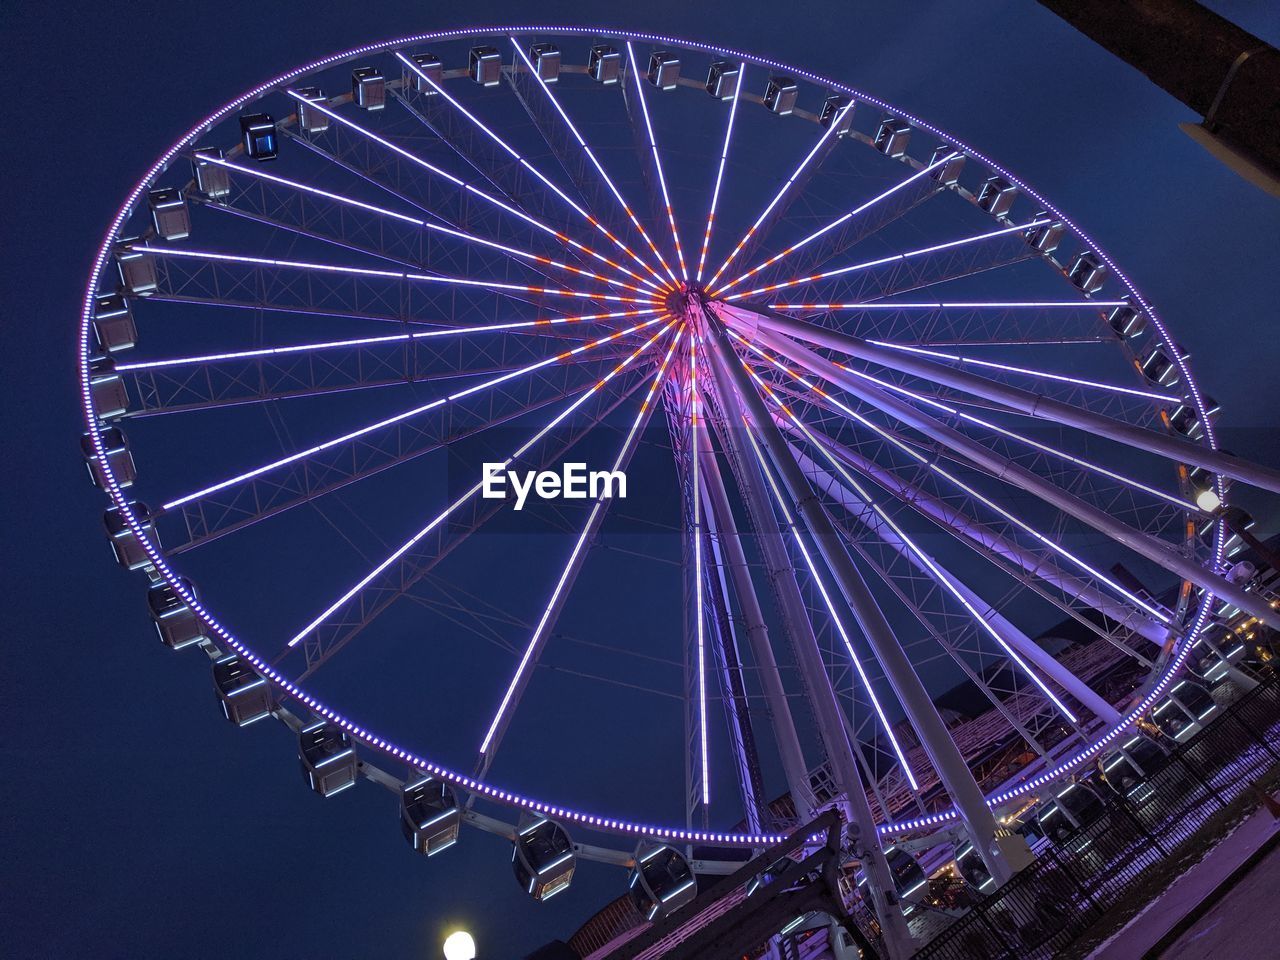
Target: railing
{"x": 1073, "y": 883}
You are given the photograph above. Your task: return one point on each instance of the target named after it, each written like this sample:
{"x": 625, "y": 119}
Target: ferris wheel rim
{"x": 486, "y": 789}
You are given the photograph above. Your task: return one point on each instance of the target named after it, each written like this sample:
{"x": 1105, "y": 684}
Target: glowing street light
{"x": 1208, "y": 500}
{"x": 459, "y": 945}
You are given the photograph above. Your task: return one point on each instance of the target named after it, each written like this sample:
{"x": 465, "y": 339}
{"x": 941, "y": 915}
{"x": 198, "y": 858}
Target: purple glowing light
{"x": 445, "y": 514}
{"x": 536, "y": 639}
{"x": 923, "y": 251}
{"x": 836, "y": 222}
{"x": 657, "y": 160}
{"x": 724, "y": 156}
{"x": 782, "y": 192}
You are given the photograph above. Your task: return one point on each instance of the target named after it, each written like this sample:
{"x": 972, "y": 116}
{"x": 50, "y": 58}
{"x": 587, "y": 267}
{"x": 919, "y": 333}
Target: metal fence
{"x": 1073, "y": 883}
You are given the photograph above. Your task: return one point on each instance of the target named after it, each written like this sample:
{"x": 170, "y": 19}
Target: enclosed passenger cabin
{"x": 948, "y": 173}
{"x": 169, "y": 214}
{"x": 106, "y": 389}
{"x": 971, "y": 867}
{"x": 212, "y": 180}
{"x": 125, "y": 544}
{"x": 722, "y": 79}
{"x": 429, "y": 815}
{"x": 1046, "y": 237}
{"x": 543, "y": 857}
{"x": 909, "y": 880}
{"x": 428, "y": 76}
{"x": 311, "y": 120}
{"x": 1126, "y": 769}
{"x": 115, "y": 451}
{"x": 1184, "y": 711}
{"x": 1087, "y": 272}
{"x": 893, "y": 136}
{"x": 1127, "y": 320}
{"x": 1072, "y": 809}
{"x": 1187, "y": 421}
{"x": 1160, "y": 368}
{"x": 661, "y": 882}
{"x": 837, "y": 110}
{"x": 605, "y": 63}
{"x": 328, "y": 758}
{"x": 484, "y": 66}
{"x": 244, "y": 694}
{"x": 368, "y": 88}
{"x": 1211, "y": 665}
{"x": 137, "y": 268}
{"x": 664, "y": 70}
{"x": 780, "y": 95}
{"x": 258, "y": 134}
{"x": 113, "y": 325}
{"x": 545, "y": 58}
{"x": 178, "y": 625}
{"x": 996, "y": 196}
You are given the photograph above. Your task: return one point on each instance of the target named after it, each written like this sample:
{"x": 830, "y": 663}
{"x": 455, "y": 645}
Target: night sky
{"x": 137, "y": 823}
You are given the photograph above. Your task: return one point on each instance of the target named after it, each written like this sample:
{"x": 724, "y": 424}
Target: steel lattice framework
{"x": 912, "y": 409}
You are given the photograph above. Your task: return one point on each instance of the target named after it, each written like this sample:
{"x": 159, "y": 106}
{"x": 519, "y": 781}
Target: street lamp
{"x": 1238, "y": 522}
{"x": 459, "y": 945}
{"x": 1208, "y": 500}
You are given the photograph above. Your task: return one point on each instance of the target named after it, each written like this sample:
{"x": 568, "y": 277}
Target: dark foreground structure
{"x": 1227, "y": 75}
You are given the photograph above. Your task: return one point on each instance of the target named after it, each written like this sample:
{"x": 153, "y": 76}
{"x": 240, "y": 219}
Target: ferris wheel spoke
{"x": 343, "y": 441}
{"x": 523, "y": 164}
{"x": 425, "y": 338}
{"x": 723, "y": 525}
{"x": 219, "y": 383}
{"x": 329, "y": 269}
{"x": 560, "y": 593}
{"x": 853, "y": 227}
{"x": 1007, "y": 705}
{"x": 1147, "y": 620}
{"x": 1032, "y": 373}
{"x": 961, "y": 324}
{"x": 634, "y": 71}
{"x": 957, "y": 413}
{"x": 421, "y": 560}
{"x": 724, "y": 157}
{"x": 1023, "y": 653}
{"x": 223, "y": 511}
{"x": 1158, "y": 551}
{"x": 1039, "y": 571}
{"x": 789, "y": 524}
{"x": 444, "y": 206}
{"x": 1027, "y": 402}
{"x": 462, "y": 186}
{"x": 882, "y": 277}
{"x": 758, "y": 233}
{"x": 570, "y": 147}
{"x": 469, "y": 496}
{"x": 699, "y": 573}
{"x": 327, "y": 216}
{"x": 1005, "y": 638}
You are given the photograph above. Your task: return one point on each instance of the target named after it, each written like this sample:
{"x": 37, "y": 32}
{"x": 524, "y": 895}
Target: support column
{"x": 1157, "y": 551}
{"x": 749, "y": 320}
{"x": 1011, "y": 634}
{"x": 1002, "y": 855}
{"x": 857, "y": 810}
{"x": 784, "y": 729}
{"x": 994, "y": 546}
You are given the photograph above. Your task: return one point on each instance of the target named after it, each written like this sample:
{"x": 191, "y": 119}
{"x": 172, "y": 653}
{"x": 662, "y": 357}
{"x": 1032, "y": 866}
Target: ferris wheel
{"x": 887, "y": 415}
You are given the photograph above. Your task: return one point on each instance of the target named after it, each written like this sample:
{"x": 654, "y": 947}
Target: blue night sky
{"x": 136, "y": 822}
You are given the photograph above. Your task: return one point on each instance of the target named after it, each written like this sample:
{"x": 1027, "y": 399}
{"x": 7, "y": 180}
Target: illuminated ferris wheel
{"x": 886, "y": 415}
